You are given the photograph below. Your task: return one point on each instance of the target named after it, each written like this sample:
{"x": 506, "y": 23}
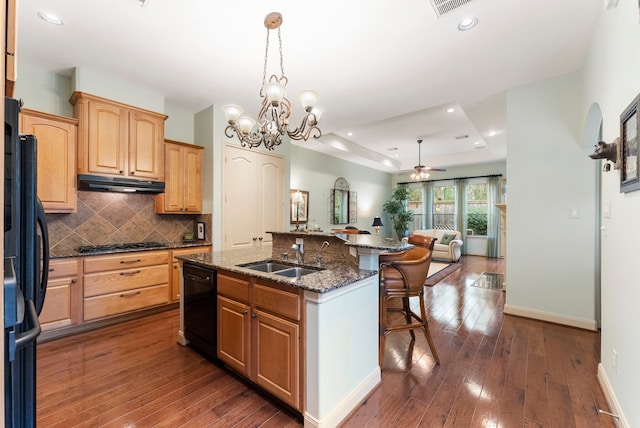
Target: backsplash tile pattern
{"x": 112, "y": 218}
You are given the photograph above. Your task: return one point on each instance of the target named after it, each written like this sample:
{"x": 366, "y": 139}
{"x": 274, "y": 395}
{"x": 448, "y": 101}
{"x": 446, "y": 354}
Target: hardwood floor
{"x": 497, "y": 371}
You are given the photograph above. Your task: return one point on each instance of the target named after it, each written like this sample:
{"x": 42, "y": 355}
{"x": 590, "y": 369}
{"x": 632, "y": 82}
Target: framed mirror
{"x": 343, "y": 203}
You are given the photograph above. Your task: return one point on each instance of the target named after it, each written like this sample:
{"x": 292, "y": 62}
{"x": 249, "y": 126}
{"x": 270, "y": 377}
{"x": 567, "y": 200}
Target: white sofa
{"x": 449, "y": 252}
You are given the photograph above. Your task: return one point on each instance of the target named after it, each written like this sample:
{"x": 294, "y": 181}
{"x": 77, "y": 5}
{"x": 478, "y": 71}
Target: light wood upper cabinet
{"x": 56, "y": 159}
{"x": 117, "y": 139}
{"x": 11, "y": 61}
{"x": 183, "y": 179}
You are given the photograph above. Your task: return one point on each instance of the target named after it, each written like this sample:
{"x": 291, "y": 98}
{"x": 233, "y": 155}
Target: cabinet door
{"x": 146, "y": 149}
{"x": 173, "y": 190}
{"x": 56, "y": 159}
{"x": 192, "y": 192}
{"x": 10, "y": 55}
{"x": 234, "y": 334}
{"x": 277, "y": 347}
{"x": 107, "y": 145}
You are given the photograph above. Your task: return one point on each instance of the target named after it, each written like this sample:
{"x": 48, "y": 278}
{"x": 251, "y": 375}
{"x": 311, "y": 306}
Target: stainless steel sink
{"x": 267, "y": 267}
{"x": 281, "y": 269}
{"x": 295, "y": 272}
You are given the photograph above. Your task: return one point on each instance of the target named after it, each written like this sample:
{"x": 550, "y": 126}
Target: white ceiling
{"x": 386, "y": 71}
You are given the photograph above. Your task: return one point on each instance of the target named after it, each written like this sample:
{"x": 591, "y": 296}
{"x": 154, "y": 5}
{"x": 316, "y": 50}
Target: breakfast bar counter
{"x": 339, "y": 298}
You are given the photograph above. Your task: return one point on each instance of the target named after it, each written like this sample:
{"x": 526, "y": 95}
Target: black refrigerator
{"x": 26, "y": 265}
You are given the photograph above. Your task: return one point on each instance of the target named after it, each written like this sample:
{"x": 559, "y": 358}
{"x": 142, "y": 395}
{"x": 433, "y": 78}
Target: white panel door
{"x": 253, "y": 197}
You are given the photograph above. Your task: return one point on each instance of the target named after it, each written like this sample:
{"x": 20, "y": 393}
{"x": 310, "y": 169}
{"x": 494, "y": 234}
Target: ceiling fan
{"x": 422, "y": 172}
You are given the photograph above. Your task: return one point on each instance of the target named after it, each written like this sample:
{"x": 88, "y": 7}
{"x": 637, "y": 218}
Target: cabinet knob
{"x": 73, "y": 281}
{"x": 121, "y": 172}
{"x": 133, "y": 173}
{"x": 260, "y": 238}
{"x": 254, "y": 315}
{"x": 254, "y": 238}
{"x": 245, "y": 312}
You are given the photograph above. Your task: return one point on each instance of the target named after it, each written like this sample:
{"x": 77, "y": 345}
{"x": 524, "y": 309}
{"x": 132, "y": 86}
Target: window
{"x": 416, "y": 206}
{"x": 477, "y": 209}
{"x": 444, "y": 211}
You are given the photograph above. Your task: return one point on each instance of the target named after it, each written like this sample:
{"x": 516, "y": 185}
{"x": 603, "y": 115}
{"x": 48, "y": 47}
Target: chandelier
{"x": 422, "y": 172}
{"x": 273, "y": 118}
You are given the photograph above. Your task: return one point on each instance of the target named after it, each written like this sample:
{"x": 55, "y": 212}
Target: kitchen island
{"x": 338, "y": 349}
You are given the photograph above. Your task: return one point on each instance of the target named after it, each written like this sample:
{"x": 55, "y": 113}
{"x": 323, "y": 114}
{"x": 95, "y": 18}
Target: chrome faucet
{"x": 299, "y": 250}
{"x": 324, "y": 245}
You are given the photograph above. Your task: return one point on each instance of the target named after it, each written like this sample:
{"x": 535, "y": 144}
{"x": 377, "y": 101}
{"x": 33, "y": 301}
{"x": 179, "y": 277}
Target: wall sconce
{"x": 377, "y": 223}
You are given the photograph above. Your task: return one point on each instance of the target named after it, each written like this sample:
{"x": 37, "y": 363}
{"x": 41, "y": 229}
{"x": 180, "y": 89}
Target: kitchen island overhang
{"x": 341, "y": 310}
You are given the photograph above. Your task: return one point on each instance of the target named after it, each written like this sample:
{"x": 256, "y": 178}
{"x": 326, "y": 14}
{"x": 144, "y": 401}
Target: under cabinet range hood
{"x": 99, "y": 183}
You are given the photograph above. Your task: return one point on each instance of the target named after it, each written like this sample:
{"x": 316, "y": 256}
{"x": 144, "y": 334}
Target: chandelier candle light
{"x": 273, "y": 118}
{"x": 297, "y": 198}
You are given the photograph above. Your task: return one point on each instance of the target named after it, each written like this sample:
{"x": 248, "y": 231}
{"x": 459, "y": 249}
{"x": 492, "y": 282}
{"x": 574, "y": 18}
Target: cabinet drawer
{"x": 125, "y": 260}
{"x": 277, "y": 301}
{"x": 117, "y": 303}
{"x": 233, "y": 288}
{"x": 62, "y": 268}
{"x": 123, "y": 280}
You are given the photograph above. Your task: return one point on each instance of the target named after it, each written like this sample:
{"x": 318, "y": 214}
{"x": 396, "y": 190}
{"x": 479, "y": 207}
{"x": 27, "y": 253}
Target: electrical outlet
{"x": 299, "y": 241}
{"x": 614, "y": 360}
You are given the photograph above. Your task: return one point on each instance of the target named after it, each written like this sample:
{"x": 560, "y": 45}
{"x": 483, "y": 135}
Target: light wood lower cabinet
{"x": 175, "y": 268}
{"x": 259, "y": 334}
{"x": 116, "y": 284}
{"x": 63, "y": 300}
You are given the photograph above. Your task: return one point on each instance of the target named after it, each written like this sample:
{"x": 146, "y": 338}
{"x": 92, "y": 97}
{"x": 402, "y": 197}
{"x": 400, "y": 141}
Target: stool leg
{"x": 407, "y": 315}
{"x": 427, "y": 332}
{"x": 382, "y": 316}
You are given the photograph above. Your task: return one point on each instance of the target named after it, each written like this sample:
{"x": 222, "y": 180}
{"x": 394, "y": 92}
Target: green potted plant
{"x": 396, "y": 207}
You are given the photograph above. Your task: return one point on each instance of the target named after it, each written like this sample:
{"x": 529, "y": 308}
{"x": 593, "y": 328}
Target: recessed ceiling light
{"x": 468, "y": 23}
{"x": 349, "y": 134}
{"x": 476, "y": 142}
{"x": 450, "y": 110}
{"x": 50, "y": 18}
{"x": 492, "y": 133}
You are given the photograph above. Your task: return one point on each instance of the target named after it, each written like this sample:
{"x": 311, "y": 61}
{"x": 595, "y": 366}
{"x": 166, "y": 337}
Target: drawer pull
{"x": 135, "y": 293}
{"x": 51, "y": 269}
{"x": 135, "y": 272}
{"x": 130, "y": 261}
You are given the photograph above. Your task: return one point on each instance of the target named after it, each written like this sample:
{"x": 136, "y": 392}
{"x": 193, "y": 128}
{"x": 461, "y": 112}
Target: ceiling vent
{"x": 443, "y": 7}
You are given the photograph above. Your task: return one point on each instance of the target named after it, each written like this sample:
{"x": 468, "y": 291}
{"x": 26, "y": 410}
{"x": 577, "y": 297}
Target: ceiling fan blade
{"x": 428, "y": 168}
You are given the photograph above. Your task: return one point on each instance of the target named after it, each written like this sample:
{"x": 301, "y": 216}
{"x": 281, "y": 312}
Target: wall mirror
{"x": 343, "y": 203}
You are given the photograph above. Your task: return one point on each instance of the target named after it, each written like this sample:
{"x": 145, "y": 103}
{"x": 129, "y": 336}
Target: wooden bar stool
{"x": 402, "y": 276}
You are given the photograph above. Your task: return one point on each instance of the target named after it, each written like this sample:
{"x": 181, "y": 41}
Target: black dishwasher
{"x": 200, "y": 308}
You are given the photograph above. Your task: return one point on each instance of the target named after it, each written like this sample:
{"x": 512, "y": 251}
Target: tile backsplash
{"x": 111, "y": 218}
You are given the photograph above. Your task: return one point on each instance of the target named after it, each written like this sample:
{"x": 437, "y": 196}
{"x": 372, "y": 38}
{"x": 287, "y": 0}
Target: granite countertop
{"x": 168, "y": 246}
{"x": 333, "y": 275}
{"x": 357, "y": 240}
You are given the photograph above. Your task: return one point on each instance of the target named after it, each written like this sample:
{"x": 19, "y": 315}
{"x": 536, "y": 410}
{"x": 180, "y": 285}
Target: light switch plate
{"x": 606, "y": 209}
{"x": 574, "y": 213}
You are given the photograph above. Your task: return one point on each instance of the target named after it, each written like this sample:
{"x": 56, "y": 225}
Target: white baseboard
{"x": 612, "y": 401}
{"x": 551, "y": 317}
{"x": 346, "y": 406}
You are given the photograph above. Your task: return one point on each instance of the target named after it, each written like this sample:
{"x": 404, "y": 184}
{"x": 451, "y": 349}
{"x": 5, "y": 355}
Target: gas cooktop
{"x": 115, "y": 247}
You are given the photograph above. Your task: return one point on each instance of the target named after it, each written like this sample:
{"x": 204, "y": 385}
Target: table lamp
{"x": 377, "y": 223}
